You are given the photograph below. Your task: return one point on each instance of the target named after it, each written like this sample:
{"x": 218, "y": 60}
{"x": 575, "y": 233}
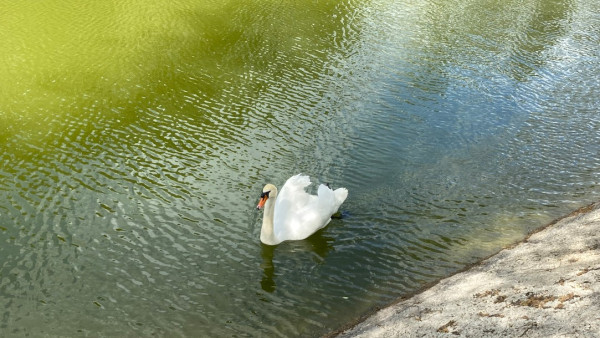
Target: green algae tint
{"x": 135, "y": 139}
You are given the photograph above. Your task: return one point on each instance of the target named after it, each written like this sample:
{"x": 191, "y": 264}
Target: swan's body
{"x": 294, "y": 214}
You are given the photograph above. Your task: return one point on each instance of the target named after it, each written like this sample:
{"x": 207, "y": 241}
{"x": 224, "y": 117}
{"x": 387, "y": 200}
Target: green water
{"x": 135, "y": 139}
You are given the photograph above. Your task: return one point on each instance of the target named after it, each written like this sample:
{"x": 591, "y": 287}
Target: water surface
{"x": 135, "y": 140}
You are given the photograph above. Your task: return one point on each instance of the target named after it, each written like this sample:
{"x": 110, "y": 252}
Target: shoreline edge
{"x": 544, "y": 285}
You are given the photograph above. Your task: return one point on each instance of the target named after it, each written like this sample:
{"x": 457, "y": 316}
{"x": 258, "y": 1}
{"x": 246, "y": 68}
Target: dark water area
{"x": 135, "y": 140}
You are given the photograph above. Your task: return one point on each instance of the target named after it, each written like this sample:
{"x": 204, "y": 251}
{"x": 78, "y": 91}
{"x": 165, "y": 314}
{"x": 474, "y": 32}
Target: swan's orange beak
{"x": 263, "y": 199}
{"x": 262, "y": 202}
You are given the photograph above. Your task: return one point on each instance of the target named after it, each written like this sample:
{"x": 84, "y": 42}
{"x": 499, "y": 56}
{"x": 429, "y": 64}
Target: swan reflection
{"x": 319, "y": 244}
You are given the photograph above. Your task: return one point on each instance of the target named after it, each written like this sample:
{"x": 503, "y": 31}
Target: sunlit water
{"x": 135, "y": 139}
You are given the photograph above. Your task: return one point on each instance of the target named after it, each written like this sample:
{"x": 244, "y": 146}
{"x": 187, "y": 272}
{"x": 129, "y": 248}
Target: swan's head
{"x": 269, "y": 191}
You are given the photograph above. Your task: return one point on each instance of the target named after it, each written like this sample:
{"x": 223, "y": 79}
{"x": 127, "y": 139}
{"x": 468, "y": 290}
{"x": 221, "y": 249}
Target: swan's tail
{"x": 340, "y": 195}
{"x": 331, "y": 199}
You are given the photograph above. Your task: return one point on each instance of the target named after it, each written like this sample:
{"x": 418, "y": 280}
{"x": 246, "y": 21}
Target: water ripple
{"x": 132, "y": 154}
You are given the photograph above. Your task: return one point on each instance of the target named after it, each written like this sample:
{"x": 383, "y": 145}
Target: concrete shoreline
{"x": 547, "y": 285}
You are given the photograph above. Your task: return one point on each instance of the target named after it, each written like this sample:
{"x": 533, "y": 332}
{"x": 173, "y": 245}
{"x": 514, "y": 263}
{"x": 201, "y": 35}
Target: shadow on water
{"x": 319, "y": 244}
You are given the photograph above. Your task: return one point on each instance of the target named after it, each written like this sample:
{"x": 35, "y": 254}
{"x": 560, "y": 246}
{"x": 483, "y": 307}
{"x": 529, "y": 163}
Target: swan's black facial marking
{"x": 263, "y": 199}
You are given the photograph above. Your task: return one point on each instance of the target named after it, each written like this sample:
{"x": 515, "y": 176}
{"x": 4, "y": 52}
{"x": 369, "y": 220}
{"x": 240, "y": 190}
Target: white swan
{"x": 294, "y": 214}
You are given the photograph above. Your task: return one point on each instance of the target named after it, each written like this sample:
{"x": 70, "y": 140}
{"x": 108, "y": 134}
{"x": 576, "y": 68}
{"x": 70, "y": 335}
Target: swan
{"x": 294, "y": 214}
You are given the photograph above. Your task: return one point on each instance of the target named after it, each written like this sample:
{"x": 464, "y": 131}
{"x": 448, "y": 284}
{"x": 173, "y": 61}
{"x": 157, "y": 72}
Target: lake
{"x": 135, "y": 139}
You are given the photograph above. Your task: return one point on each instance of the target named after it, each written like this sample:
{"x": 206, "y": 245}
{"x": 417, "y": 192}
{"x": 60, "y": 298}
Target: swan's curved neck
{"x": 267, "y": 234}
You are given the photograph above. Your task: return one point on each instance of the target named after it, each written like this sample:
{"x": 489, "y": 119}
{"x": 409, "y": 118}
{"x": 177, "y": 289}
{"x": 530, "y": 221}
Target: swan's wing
{"x": 316, "y": 214}
{"x": 306, "y": 219}
{"x": 293, "y": 194}
{"x": 290, "y": 200}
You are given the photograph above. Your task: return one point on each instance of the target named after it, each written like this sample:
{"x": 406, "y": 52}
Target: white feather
{"x": 294, "y": 214}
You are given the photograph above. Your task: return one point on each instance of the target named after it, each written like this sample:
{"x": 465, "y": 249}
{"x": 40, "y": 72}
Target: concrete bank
{"x": 546, "y": 286}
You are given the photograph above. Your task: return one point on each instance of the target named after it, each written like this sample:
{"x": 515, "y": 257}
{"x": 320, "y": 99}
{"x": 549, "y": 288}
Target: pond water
{"x": 135, "y": 140}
